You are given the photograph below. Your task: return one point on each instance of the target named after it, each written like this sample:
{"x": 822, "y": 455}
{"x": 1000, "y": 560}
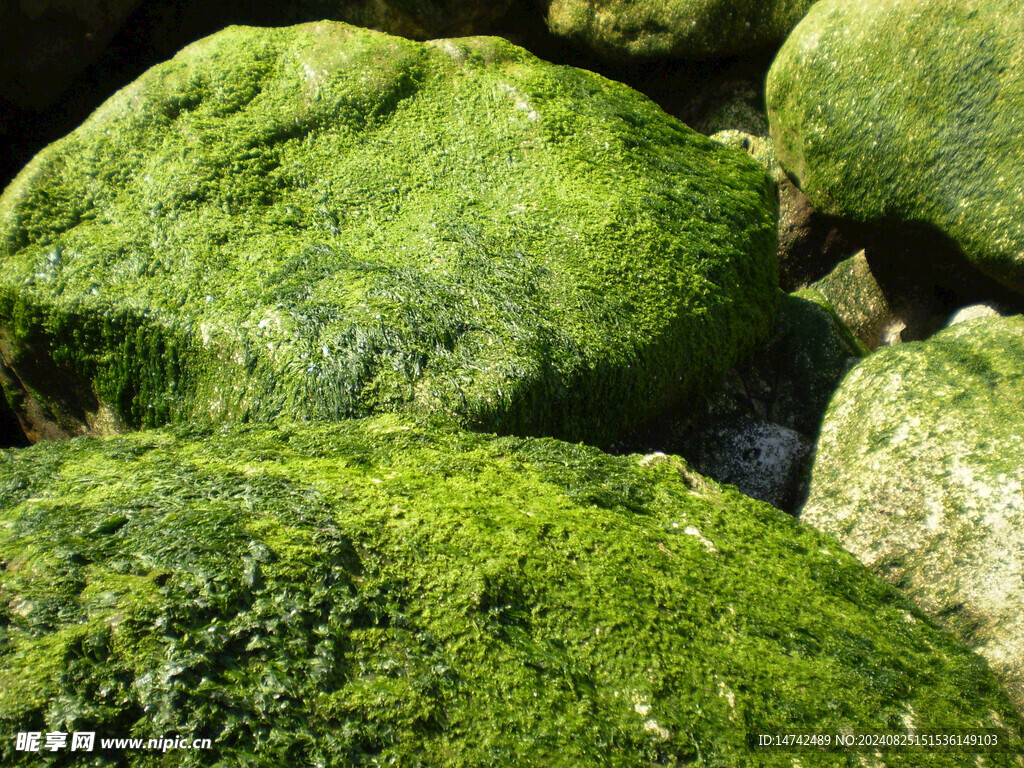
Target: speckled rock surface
{"x": 643, "y": 29}
{"x": 919, "y": 474}
{"x": 325, "y": 222}
{"x": 763, "y": 460}
{"x": 854, "y": 293}
{"x": 974, "y": 312}
{"x": 895, "y": 111}
{"x": 385, "y": 592}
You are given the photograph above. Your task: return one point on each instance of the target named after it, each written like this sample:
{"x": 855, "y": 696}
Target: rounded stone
{"x": 690, "y": 29}
{"x": 897, "y": 112}
{"x": 324, "y": 222}
{"x": 918, "y": 473}
{"x": 387, "y": 591}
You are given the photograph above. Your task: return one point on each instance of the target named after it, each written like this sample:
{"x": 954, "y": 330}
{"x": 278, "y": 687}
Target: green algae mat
{"x": 918, "y": 473}
{"x": 691, "y": 29}
{"x": 329, "y": 222}
{"x": 908, "y": 111}
{"x": 387, "y": 592}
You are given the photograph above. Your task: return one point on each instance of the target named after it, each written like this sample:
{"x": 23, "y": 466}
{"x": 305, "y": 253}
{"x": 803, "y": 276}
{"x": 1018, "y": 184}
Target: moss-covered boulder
{"x": 381, "y": 592}
{"x": 891, "y": 111}
{"x": 919, "y": 474}
{"x": 328, "y": 222}
{"x": 853, "y": 291}
{"x": 691, "y": 29}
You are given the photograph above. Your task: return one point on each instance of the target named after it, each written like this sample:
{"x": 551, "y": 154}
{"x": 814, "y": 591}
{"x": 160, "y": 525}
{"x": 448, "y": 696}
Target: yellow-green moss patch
{"x": 382, "y": 592}
{"x": 330, "y": 222}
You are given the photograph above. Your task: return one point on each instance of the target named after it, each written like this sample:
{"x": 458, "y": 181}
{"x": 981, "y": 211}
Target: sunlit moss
{"x": 909, "y": 111}
{"x": 328, "y": 222}
{"x": 388, "y": 592}
{"x": 691, "y": 29}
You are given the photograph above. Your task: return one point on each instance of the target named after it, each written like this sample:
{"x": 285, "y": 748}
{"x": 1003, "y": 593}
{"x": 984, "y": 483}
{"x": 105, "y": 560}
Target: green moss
{"x": 918, "y": 473}
{"x": 893, "y": 112}
{"x": 328, "y": 222}
{"x": 386, "y": 592}
{"x": 692, "y": 29}
{"x": 855, "y": 294}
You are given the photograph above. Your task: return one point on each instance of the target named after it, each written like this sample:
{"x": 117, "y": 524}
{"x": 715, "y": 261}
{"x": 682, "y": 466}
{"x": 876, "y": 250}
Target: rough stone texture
{"x": 733, "y": 103}
{"x": 797, "y": 370}
{"x": 895, "y": 111}
{"x": 919, "y": 474}
{"x": 763, "y": 460}
{"x": 326, "y": 222}
{"x": 854, "y": 293}
{"x": 692, "y": 29}
{"x": 760, "y": 148}
{"x": 384, "y": 592}
{"x": 974, "y": 312}
{"x": 45, "y": 43}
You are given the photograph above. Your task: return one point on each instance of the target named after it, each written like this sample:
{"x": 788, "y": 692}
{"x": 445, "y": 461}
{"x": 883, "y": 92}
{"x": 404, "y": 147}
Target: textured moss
{"x": 692, "y": 29}
{"x": 895, "y": 111}
{"x": 330, "y": 222}
{"x": 758, "y": 147}
{"x": 918, "y": 473}
{"x": 854, "y": 292}
{"x": 382, "y": 592}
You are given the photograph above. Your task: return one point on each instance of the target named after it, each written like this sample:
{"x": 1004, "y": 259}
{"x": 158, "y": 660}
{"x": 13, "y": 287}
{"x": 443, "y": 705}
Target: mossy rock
{"x": 918, "y": 473}
{"x": 853, "y": 291}
{"x": 756, "y": 429}
{"x": 690, "y": 29}
{"x": 329, "y": 222}
{"x": 381, "y": 591}
{"x": 908, "y": 111}
{"x": 760, "y": 148}
{"x": 799, "y": 367}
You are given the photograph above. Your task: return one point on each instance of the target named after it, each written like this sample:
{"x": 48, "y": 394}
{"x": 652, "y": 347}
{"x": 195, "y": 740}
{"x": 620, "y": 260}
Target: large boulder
{"x": 895, "y": 111}
{"x": 325, "y": 222}
{"x": 383, "y": 592}
{"x": 919, "y": 474}
{"x": 691, "y": 29}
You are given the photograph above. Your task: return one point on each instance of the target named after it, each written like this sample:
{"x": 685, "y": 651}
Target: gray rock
{"x": 765, "y": 461}
{"x": 918, "y": 473}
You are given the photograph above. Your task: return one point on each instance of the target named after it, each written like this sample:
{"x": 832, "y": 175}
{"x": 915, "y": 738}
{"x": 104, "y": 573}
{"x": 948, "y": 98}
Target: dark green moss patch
{"x": 382, "y": 592}
{"x": 690, "y": 29}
